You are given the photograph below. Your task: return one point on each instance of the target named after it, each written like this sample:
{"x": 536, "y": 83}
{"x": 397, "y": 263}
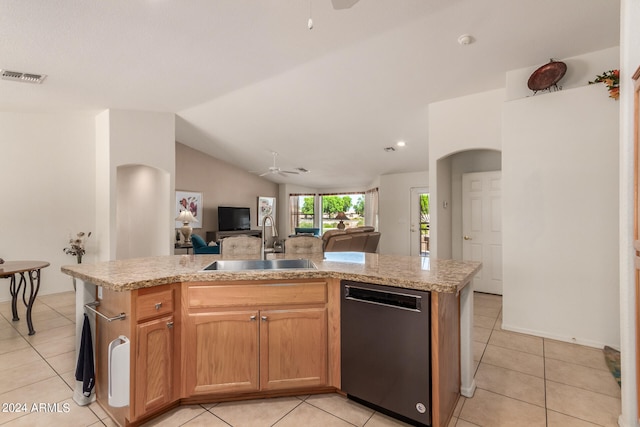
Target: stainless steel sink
{"x": 259, "y": 264}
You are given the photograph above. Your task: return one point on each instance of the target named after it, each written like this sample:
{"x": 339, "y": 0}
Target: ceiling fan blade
{"x": 343, "y": 4}
{"x": 293, "y": 172}
{"x": 266, "y": 173}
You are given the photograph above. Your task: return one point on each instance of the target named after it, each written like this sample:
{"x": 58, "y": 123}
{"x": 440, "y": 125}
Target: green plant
{"x": 611, "y": 79}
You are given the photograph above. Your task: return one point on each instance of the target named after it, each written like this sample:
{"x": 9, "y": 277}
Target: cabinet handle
{"x": 169, "y": 325}
{"x": 264, "y": 318}
{"x": 158, "y": 305}
{"x": 252, "y": 318}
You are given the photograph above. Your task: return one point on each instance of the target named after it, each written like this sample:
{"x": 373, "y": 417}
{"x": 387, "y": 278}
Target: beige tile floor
{"x": 522, "y": 381}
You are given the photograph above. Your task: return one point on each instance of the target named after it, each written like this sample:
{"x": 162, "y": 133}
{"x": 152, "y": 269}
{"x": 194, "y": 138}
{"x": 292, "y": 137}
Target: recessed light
{"x": 401, "y": 144}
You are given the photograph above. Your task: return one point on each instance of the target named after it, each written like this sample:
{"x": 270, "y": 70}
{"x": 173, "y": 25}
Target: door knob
{"x": 158, "y": 305}
{"x": 252, "y": 318}
{"x": 169, "y": 325}
{"x": 264, "y": 318}
{"x": 467, "y": 238}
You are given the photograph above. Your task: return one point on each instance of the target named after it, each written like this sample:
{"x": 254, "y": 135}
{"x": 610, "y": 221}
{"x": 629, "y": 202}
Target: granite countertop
{"x": 448, "y": 276}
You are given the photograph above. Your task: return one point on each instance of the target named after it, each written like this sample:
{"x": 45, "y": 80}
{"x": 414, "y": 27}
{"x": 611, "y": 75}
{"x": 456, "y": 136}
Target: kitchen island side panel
{"x": 445, "y": 356}
{"x": 112, "y": 304}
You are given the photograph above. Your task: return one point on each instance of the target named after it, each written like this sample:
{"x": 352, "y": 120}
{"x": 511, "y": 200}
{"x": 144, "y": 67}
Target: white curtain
{"x": 294, "y": 209}
{"x": 371, "y": 207}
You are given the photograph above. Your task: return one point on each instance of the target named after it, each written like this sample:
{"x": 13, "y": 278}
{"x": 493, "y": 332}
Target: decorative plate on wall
{"x": 547, "y": 76}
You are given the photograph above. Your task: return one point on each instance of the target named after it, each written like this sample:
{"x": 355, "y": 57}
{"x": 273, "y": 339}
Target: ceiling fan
{"x": 275, "y": 169}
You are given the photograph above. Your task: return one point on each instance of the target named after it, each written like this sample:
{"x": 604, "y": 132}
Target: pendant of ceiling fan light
{"x": 310, "y": 21}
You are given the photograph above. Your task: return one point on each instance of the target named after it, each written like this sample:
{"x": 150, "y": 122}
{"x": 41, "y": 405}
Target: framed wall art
{"x": 266, "y": 206}
{"x": 192, "y": 201}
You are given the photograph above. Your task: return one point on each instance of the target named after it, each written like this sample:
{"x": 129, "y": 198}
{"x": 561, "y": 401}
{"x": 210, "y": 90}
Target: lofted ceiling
{"x": 247, "y": 77}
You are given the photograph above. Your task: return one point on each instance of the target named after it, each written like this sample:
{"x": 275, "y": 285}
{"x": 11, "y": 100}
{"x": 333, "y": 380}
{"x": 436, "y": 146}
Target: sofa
{"x": 357, "y": 239}
{"x": 200, "y": 247}
{"x": 304, "y": 231}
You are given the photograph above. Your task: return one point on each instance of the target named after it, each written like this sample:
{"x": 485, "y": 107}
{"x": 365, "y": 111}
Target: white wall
{"x": 221, "y": 184}
{"x": 47, "y": 186}
{"x": 580, "y": 70}
{"x": 457, "y": 125}
{"x": 125, "y": 138}
{"x": 141, "y": 193}
{"x": 475, "y": 122}
{"x": 560, "y": 216}
{"x": 395, "y": 210}
{"x": 629, "y": 62}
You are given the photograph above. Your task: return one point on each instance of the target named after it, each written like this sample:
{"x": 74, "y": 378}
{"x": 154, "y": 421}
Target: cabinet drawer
{"x": 154, "y": 304}
{"x": 256, "y": 295}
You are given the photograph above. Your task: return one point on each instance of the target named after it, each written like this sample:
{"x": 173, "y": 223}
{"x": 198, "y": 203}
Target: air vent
{"x": 17, "y": 76}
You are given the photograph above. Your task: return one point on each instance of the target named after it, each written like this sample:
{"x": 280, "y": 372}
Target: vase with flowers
{"x": 76, "y": 246}
{"x": 611, "y": 79}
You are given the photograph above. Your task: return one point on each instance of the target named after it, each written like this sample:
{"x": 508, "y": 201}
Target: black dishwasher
{"x": 385, "y": 357}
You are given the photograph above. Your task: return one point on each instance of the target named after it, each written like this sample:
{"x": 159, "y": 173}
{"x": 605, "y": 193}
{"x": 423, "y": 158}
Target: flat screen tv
{"x": 230, "y": 218}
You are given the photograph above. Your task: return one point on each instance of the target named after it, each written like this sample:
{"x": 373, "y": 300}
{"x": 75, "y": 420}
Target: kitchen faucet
{"x": 274, "y": 233}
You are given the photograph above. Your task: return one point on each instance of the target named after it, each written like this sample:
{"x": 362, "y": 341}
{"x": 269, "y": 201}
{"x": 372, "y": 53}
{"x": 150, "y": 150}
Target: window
{"x": 321, "y": 210}
{"x": 349, "y": 204}
{"x": 302, "y": 210}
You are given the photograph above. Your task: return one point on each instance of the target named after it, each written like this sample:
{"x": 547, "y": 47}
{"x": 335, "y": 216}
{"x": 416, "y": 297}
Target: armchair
{"x": 307, "y": 231}
{"x": 200, "y": 247}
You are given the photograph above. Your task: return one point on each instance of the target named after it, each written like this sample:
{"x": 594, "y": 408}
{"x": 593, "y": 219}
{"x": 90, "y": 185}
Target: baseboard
{"x": 571, "y": 340}
{"x": 469, "y": 391}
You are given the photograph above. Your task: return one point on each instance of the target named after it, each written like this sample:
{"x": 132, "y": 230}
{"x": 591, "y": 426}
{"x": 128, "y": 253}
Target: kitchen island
{"x": 274, "y": 332}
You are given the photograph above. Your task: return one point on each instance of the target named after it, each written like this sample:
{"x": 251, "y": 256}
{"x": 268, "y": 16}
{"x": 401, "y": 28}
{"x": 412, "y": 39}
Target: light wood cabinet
{"x": 293, "y": 348}
{"x": 154, "y": 362}
{"x": 237, "y": 339}
{"x": 211, "y": 341}
{"x": 155, "y": 350}
{"x": 152, "y": 325}
{"x": 223, "y": 352}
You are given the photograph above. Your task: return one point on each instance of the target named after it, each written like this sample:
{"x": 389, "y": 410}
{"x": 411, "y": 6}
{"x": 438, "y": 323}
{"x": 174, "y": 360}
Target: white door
{"x": 419, "y": 238}
{"x": 482, "y": 228}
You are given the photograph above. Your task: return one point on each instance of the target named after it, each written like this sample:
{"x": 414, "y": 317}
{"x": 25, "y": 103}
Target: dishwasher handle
{"x": 383, "y": 297}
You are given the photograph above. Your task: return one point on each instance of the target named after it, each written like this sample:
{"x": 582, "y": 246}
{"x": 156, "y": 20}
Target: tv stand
{"x": 216, "y": 236}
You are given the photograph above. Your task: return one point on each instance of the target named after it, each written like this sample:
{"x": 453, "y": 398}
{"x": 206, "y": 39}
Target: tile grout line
{"x": 479, "y": 363}
{"x": 59, "y": 375}
{"x": 204, "y": 410}
{"x": 287, "y": 414}
{"x": 544, "y": 376}
{"x": 334, "y": 415}
{"x": 44, "y": 359}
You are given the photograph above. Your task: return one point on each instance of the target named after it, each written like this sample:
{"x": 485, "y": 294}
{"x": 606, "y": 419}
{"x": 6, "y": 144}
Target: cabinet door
{"x": 154, "y": 365}
{"x": 222, "y": 352}
{"x": 293, "y": 348}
